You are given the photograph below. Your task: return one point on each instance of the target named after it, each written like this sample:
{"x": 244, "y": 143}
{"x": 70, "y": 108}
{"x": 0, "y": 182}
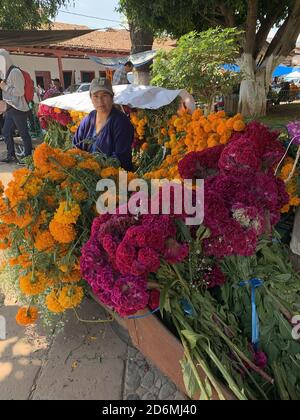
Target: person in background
{"x": 40, "y": 92}
{"x": 120, "y": 76}
{"x": 16, "y": 108}
{"x": 55, "y": 89}
{"x": 106, "y": 129}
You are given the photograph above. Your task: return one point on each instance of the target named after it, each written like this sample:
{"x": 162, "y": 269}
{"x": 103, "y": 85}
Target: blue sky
{"x": 100, "y": 9}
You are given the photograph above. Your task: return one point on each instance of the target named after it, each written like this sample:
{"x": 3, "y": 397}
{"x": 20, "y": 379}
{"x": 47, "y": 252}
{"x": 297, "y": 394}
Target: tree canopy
{"x": 255, "y": 17}
{"x": 28, "y": 14}
{"x": 196, "y": 64}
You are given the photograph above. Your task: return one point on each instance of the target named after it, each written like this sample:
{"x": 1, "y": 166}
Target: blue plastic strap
{"x": 254, "y": 283}
{"x": 187, "y": 307}
{"x": 144, "y": 316}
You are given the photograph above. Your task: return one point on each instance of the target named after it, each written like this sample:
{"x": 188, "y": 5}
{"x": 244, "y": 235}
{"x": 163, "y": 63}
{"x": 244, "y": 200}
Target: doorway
{"x": 43, "y": 78}
{"x": 67, "y": 78}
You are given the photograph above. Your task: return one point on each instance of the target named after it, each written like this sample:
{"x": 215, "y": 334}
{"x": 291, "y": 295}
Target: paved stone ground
{"x": 86, "y": 361}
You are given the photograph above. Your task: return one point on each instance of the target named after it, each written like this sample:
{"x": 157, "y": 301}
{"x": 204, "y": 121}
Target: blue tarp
{"x": 279, "y": 71}
{"x": 283, "y": 71}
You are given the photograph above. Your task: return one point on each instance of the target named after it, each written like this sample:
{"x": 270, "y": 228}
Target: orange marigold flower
{"x": 67, "y": 213}
{"x": 145, "y": 147}
{"x": 27, "y": 316}
{"x": 44, "y": 241}
{"x": 73, "y": 129}
{"x": 33, "y": 284}
{"x": 22, "y": 221}
{"x": 25, "y": 261}
{"x": 53, "y": 304}
{"x": 63, "y": 234}
{"x": 109, "y": 172}
{"x": 91, "y": 165}
{"x": 71, "y": 296}
{"x": 4, "y": 231}
{"x": 239, "y": 125}
{"x": 50, "y": 200}
{"x": 73, "y": 277}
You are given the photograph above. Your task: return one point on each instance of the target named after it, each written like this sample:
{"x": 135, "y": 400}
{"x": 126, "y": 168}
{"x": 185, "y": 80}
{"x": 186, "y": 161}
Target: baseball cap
{"x": 103, "y": 85}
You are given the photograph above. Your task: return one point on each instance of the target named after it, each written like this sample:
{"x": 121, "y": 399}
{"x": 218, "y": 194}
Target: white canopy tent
{"x": 142, "y": 97}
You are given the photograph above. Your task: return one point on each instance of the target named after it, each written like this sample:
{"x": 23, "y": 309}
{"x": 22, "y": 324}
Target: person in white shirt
{"x": 120, "y": 76}
{"x": 16, "y": 108}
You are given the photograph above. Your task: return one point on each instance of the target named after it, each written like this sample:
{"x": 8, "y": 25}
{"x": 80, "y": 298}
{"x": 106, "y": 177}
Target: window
{"x": 87, "y": 76}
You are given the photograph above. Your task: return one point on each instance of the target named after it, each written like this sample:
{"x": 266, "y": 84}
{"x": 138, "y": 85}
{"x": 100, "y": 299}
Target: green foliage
{"x": 277, "y": 302}
{"x": 28, "y": 14}
{"x": 196, "y": 64}
{"x": 177, "y": 17}
{"x": 58, "y": 136}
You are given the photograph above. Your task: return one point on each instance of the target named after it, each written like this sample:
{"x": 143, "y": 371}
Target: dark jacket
{"x": 114, "y": 140}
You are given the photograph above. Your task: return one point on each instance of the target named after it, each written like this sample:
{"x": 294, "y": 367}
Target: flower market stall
{"x": 221, "y": 297}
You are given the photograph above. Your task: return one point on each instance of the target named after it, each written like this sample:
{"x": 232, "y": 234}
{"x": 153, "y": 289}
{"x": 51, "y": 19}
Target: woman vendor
{"x": 106, "y": 129}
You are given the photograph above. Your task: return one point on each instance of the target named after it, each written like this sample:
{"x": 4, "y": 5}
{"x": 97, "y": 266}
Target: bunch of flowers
{"x": 48, "y": 114}
{"x": 187, "y": 133}
{"x": 243, "y": 198}
{"x": 45, "y": 216}
{"x": 257, "y": 148}
{"x": 238, "y": 212}
{"x": 77, "y": 117}
{"x": 122, "y": 252}
{"x": 291, "y": 183}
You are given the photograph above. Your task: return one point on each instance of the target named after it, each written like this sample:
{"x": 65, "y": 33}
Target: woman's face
{"x": 102, "y": 101}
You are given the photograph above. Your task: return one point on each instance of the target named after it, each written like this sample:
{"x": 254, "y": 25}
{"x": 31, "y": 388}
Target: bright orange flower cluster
{"x": 77, "y": 117}
{"x": 27, "y": 316}
{"x": 187, "y": 133}
{"x": 291, "y": 186}
{"x": 139, "y": 125}
{"x": 44, "y": 216}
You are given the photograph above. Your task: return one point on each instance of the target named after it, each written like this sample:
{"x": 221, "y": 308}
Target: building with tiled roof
{"x": 68, "y": 60}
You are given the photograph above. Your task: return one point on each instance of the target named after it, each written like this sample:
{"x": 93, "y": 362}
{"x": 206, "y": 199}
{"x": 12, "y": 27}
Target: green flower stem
{"x": 210, "y": 376}
{"x": 230, "y": 381}
{"x": 181, "y": 280}
{"x": 191, "y": 362}
{"x": 281, "y": 307}
{"x": 284, "y": 395}
{"x": 255, "y": 368}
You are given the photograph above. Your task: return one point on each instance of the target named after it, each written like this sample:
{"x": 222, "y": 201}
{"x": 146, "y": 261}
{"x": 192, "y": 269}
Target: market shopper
{"x": 54, "y": 90}
{"x": 14, "y": 106}
{"x": 120, "y": 76}
{"x": 106, "y": 129}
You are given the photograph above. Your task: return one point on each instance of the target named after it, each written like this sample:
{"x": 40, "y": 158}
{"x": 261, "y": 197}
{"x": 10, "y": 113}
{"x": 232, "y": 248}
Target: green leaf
{"x": 190, "y": 381}
{"x": 191, "y": 337}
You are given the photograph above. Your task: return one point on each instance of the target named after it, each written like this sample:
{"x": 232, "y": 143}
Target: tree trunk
{"x": 141, "y": 40}
{"x": 255, "y": 85}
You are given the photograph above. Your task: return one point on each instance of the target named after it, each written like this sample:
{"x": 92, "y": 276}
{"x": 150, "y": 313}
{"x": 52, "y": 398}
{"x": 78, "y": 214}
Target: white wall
{"x": 33, "y": 64}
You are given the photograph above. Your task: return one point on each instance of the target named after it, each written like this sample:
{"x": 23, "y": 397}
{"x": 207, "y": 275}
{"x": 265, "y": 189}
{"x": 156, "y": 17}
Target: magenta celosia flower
{"x": 130, "y": 295}
{"x": 264, "y": 142}
{"x": 122, "y": 252}
{"x": 214, "y": 278}
{"x": 154, "y": 299}
{"x": 175, "y": 252}
{"x": 240, "y": 157}
{"x": 294, "y": 131}
{"x": 200, "y": 165}
{"x": 148, "y": 262}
